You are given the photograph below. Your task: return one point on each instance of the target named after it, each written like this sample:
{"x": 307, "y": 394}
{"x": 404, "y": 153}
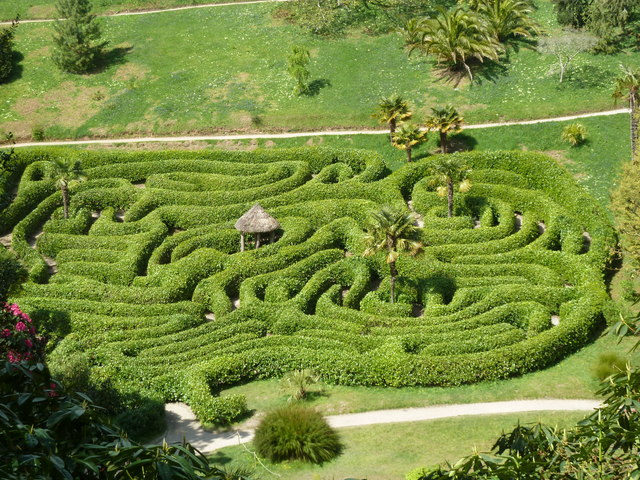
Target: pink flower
{"x": 6, "y": 333}
{"x": 53, "y": 392}
{"x": 21, "y": 327}
{"x": 32, "y": 330}
{"x": 28, "y": 343}
{"x": 13, "y": 356}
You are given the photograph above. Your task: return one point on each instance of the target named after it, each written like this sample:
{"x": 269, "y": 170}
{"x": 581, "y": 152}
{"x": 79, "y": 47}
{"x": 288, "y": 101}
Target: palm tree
{"x": 394, "y": 233}
{"x": 508, "y": 19}
{"x": 628, "y": 88}
{"x": 392, "y": 110}
{"x": 454, "y": 37}
{"x": 65, "y": 171}
{"x": 445, "y": 120}
{"x": 407, "y": 137}
{"x": 449, "y": 171}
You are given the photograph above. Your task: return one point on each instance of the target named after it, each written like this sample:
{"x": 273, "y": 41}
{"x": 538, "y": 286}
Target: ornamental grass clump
{"x": 295, "y": 432}
{"x": 574, "y": 134}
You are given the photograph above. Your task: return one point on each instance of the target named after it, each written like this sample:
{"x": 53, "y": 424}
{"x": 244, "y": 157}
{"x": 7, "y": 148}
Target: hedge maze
{"x": 149, "y": 290}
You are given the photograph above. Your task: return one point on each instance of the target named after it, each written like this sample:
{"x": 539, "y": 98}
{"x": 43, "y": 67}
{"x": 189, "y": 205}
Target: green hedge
{"x": 150, "y": 249}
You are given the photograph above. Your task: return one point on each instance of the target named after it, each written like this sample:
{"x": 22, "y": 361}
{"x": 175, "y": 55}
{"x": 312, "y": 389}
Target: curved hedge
{"x": 157, "y": 297}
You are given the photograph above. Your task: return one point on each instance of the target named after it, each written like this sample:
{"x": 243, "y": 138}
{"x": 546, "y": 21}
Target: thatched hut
{"x": 256, "y": 221}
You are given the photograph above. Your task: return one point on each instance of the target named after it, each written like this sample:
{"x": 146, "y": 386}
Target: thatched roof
{"x": 256, "y": 220}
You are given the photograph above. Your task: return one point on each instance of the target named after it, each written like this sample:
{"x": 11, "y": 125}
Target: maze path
{"x": 157, "y": 297}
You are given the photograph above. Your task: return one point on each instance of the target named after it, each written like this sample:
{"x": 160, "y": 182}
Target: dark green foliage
{"x": 572, "y": 13}
{"x": 616, "y": 23}
{"x": 296, "y": 432}
{"x": 11, "y": 272}
{"x": 297, "y": 61}
{"x": 78, "y": 47}
{"x": 328, "y": 17}
{"x": 626, "y": 205}
{"x": 47, "y": 432}
{"x": 6, "y": 50}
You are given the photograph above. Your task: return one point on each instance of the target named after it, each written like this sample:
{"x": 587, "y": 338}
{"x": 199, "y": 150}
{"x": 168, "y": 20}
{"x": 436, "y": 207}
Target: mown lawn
{"x": 224, "y": 69}
{"x": 389, "y": 452}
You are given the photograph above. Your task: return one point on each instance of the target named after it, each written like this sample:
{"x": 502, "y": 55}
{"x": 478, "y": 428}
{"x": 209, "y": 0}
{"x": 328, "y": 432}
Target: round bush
{"x": 296, "y": 433}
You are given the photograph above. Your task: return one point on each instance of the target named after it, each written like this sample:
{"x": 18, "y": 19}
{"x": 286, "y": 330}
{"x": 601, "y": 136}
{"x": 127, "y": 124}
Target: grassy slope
{"x": 406, "y": 446}
{"x": 38, "y": 9}
{"x": 224, "y": 69}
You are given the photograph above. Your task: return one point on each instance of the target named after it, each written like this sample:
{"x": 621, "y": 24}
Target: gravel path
{"x": 182, "y": 423}
{"x": 253, "y": 136}
{"x": 160, "y": 10}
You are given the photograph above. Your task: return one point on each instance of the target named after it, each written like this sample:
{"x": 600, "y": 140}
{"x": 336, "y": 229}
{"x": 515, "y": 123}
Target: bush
{"x": 574, "y": 134}
{"x": 298, "y": 382}
{"x": 608, "y": 364}
{"x": 296, "y": 433}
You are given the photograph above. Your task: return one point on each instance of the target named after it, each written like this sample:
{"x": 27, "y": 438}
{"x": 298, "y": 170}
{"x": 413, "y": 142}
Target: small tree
{"x": 566, "y": 47}
{"x": 6, "y": 50}
{"x": 392, "y": 110}
{"x": 65, "y": 172}
{"x": 407, "y": 137}
{"x": 297, "y": 61}
{"x": 628, "y": 88}
{"x": 575, "y": 134}
{"x": 626, "y": 206}
{"x": 78, "y": 47}
{"x": 394, "y": 233}
{"x": 298, "y": 382}
{"x": 448, "y": 172}
{"x": 445, "y": 120}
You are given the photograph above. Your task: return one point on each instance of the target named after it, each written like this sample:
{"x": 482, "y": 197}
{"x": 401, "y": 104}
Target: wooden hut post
{"x": 257, "y": 239}
{"x": 242, "y": 241}
{"x": 272, "y": 237}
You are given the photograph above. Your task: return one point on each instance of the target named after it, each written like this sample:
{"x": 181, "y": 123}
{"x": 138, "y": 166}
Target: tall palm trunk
{"x": 443, "y": 141}
{"x": 634, "y": 127}
{"x": 394, "y": 274}
{"x": 392, "y": 129}
{"x": 450, "y": 197}
{"x": 409, "y": 154}
{"x": 65, "y": 200}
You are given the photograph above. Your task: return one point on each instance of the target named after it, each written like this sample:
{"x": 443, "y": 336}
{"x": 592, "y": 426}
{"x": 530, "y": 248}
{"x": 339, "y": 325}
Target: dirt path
{"x": 160, "y": 10}
{"x": 301, "y": 134}
{"x": 182, "y": 423}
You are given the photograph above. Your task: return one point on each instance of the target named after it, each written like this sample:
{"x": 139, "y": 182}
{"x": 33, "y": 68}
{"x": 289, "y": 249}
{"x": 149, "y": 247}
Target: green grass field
{"x": 38, "y": 9}
{"x": 224, "y": 69}
{"x": 406, "y": 446}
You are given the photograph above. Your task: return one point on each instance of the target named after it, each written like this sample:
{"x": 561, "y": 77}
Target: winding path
{"x": 182, "y": 423}
{"x": 253, "y": 136}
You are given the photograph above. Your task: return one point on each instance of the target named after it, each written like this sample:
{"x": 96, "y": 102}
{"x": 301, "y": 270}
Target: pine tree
{"x": 78, "y": 47}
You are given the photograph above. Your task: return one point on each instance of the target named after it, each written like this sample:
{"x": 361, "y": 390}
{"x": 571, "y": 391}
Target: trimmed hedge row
{"x": 150, "y": 249}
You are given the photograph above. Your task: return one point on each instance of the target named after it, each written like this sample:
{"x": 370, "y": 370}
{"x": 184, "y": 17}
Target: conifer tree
{"x": 78, "y": 46}
{"x": 6, "y": 50}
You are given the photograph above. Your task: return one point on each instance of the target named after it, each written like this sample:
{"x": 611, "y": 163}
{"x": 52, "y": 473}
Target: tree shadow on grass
{"x": 16, "y": 70}
{"x": 316, "y": 86}
{"x": 586, "y": 76}
{"x": 113, "y": 56}
{"x": 461, "y": 142}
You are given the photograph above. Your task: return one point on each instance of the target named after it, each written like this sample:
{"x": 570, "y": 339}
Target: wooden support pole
{"x": 242, "y": 241}
{"x": 272, "y": 237}
{"x": 257, "y": 240}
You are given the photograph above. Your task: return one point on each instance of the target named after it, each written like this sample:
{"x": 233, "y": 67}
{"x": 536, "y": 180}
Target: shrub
{"x": 574, "y": 134}
{"x": 37, "y": 133}
{"x": 608, "y": 364}
{"x": 296, "y": 433}
{"x": 298, "y": 382}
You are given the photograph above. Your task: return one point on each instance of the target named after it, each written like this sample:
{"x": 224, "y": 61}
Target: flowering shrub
{"x": 19, "y": 339}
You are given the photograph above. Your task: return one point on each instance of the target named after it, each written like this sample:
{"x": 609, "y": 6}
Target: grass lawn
{"x": 406, "y": 446}
{"x": 224, "y": 69}
{"x": 36, "y": 9}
